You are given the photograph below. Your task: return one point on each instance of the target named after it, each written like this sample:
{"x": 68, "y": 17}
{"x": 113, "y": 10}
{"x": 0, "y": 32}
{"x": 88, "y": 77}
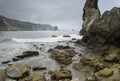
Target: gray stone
{"x": 105, "y": 30}
{"x": 91, "y": 14}
{"x": 17, "y": 71}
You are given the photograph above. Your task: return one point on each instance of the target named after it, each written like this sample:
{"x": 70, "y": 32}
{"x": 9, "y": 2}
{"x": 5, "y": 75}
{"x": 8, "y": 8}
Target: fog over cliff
{"x": 66, "y": 14}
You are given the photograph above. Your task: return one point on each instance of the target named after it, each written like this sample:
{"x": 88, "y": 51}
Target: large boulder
{"x": 90, "y": 14}
{"x": 17, "y": 71}
{"x": 105, "y": 30}
{"x": 62, "y": 56}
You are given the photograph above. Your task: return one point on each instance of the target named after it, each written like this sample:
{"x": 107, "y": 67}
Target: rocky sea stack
{"x": 101, "y": 29}
{"x": 101, "y": 35}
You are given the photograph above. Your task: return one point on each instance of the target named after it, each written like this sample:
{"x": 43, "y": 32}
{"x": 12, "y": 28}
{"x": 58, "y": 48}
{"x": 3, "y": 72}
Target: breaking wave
{"x": 47, "y": 39}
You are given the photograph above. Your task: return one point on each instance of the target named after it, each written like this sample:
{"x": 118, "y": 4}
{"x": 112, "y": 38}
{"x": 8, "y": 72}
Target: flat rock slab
{"x": 38, "y": 77}
{"x": 61, "y": 75}
{"x": 17, "y": 71}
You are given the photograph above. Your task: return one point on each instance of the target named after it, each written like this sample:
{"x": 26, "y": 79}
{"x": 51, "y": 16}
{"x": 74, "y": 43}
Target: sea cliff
{"x": 7, "y": 24}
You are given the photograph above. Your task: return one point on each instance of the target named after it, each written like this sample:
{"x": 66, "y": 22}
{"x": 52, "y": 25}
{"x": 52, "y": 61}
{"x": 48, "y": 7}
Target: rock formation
{"x": 105, "y": 30}
{"x": 102, "y": 37}
{"x": 62, "y": 54}
{"x": 90, "y": 14}
{"x": 17, "y": 71}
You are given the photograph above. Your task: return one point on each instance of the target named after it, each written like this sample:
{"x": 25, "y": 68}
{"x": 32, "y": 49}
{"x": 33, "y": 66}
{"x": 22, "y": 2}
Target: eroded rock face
{"x": 91, "y": 13}
{"x": 105, "y": 30}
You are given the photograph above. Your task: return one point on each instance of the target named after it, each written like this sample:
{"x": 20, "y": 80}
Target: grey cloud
{"x": 67, "y": 14}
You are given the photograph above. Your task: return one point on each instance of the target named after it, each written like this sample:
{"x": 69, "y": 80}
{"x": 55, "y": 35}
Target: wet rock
{"x": 17, "y": 71}
{"x": 96, "y": 62}
{"x": 62, "y": 65}
{"x": 89, "y": 65}
{"x": 66, "y": 80}
{"x": 62, "y": 56}
{"x": 54, "y": 36}
{"x": 115, "y": 67}
{"x": 111, "y": 58}
{"x": 28, "y": 54}
{"x": 105, "y": 72}
{"x": 6, "y": 62}
{"x": 86, "y": 69}
{"x": 9, "y": 79}
{"x": 42, "y": 44}
{"x": 79, "y": 42}
{"x": 74, "y": 39}
{"x": 109, "y": 74}
{"x": 61, "y": 75}
{"x": 91, "y": 14}
{"x": 67, "y": 36}
{"x": 105, "y": 30}
{"x": 38, "y": 68}
{"x": 91, "y": 78}
{"x": 2, "y": 75}
{"x": 16, "y": 59}
{"x": 38, "y": 77}
{"x": 62, "y": 47}
{"x": 25, "y": 79}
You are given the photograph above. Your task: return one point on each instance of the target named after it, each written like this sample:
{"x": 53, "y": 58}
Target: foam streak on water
{"x": 47, "y": 39}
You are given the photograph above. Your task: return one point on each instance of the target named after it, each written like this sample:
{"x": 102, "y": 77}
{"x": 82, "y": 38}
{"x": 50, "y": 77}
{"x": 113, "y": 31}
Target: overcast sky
{"x": 66, "y": 14}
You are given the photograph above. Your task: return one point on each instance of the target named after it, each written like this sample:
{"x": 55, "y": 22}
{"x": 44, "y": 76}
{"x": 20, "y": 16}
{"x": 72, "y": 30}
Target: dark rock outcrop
{"x": 25, "y": 55}
{"x": 101, "y": 35}
{"x": 105, "y": 30}
{"x": 90, "y": 14}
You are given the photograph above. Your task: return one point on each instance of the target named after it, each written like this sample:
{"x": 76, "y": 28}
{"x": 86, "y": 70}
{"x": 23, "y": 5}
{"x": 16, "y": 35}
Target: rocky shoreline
{"x": 101, "y": 35}
{"x": 64, "y": 55}
{"x": 96, "y": 57}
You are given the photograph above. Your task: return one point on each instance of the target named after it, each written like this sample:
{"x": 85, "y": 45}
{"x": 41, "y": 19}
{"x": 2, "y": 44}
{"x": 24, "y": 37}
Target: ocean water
{"x": 13, "y": 43}
{"x": 36, "y": 36}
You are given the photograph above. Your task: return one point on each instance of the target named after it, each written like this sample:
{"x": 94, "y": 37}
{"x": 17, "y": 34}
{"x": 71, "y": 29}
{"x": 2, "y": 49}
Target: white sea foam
{"x": 47, "y": 39}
